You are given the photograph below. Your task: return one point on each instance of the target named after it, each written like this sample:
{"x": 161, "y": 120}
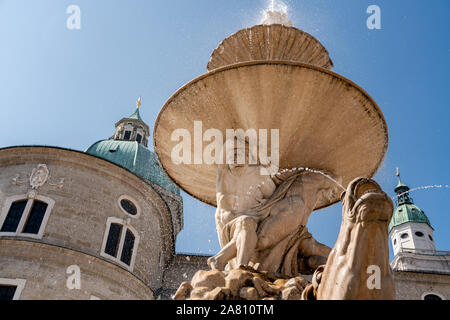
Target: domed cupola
{"x": 133, "y": 128}
{"x": 410, "y": 228}
{"x": 128, "y": 149}
{"x": 406, "y": 210}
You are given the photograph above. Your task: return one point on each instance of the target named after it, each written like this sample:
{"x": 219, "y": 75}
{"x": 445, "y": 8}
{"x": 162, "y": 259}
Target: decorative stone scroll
{"x": 39, "y": 176}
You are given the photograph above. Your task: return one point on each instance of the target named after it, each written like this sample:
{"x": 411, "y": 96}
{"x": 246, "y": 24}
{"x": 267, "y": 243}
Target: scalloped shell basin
{"x": 326, "y": 122}
{"x": 270, "y": 42}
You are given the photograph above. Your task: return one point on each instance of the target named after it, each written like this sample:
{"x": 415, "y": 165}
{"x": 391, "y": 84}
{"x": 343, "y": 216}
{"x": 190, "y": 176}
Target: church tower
{"x": 133, "y": 128}
{"x": 410, "y": 228}
{"x": 421, "y": 272}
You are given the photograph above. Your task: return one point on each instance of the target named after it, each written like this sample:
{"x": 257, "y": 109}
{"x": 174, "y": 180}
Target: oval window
{"x": 431, "y": 238}
{"x": 128, "y": 206}
{"x": 419, "y": 234}
{"x": 432, "y": 297}
{"x": 404, "y": 236}
{"x": 395, "y": 242}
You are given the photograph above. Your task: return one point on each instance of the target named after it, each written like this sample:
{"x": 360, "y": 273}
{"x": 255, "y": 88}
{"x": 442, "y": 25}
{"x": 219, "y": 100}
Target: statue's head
{"x": 365, "y": 201}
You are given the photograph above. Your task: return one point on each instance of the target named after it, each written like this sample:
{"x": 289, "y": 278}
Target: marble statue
{"x": 357, "y": 267}
{"x": 261, "y": 220}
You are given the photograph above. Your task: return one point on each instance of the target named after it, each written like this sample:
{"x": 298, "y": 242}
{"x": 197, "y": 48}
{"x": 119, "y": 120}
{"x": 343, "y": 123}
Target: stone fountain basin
{"x": 270, "y": 42}
{"x": 326, "y": 122}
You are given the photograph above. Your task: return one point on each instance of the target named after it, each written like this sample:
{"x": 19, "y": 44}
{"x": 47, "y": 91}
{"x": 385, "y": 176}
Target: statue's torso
{"x": 243, "y": 189}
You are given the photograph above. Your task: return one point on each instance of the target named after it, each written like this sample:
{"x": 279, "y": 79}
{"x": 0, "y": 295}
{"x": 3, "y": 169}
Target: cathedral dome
{"x": 127, "y": 148}
{"x": 134, "y": 157}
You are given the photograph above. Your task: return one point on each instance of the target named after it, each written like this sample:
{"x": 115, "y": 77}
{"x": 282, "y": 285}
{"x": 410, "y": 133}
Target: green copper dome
{"x": 134, "y": 157}
{"x": 408, "y": 213}
{"x": 406, "y": 210}
{"x": 128, "y": 149}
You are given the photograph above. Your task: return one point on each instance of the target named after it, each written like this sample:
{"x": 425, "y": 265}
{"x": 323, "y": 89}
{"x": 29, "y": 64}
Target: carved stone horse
{"x": 358, "y": 266}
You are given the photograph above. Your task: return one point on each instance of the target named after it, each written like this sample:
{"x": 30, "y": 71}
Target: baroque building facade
{"x": 99, "y": 224}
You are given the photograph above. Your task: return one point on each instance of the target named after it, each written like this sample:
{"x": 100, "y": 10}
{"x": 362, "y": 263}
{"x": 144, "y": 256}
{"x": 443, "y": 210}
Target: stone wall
{"x": 84, "y": 201}
{"x": 413, "y": 285}
{"x": 44, "y": 267}
{"x": 182, "y": 268}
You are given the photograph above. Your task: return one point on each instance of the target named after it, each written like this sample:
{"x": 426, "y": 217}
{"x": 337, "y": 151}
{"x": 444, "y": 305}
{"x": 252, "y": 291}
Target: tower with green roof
{"x": 410, "y": 228}
{"x": 128, "y": 148}
{"x": 421, "y": 272}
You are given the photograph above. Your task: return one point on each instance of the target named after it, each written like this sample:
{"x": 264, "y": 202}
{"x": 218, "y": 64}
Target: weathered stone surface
{"x": 258, "y": 284}
{"x": 209, "y": 279}
{"x": 248, "y": 293}
{"x": 84, "y": 202}
{"x": 281, "y": 283}
{"x": 199, "y": 293}
{"x": 330, "y": 281}
{"x": 237, "y": 279}
{"x": 44, "y": 267}
{"x": 243, "y": 283}
{"x": 183, "y": 292}
{"x": 216, "y": 294}
{"x": 298, "y": 282}
{"x": 366, "y": 212}
{"x": 262, "y": 42}
{"x": 291, "y": 293}
{"x": 264, "y": 288}
{"x": 217, "y": 98}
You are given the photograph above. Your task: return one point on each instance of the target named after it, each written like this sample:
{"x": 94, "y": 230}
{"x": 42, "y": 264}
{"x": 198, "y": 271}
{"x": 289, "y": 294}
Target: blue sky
{"x": 68, "y": 87}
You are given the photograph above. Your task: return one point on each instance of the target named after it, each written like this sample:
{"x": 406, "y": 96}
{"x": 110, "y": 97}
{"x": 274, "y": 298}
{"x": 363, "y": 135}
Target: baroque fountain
{"x": 331, "y": 134}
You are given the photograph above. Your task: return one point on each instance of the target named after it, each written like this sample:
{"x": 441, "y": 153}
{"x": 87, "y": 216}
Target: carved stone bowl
{"x": 326, "y": 122}
{"x": 270, "y": 42}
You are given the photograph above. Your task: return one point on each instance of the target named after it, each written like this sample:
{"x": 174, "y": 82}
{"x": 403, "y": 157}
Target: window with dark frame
{"x": 14, "y": 216}
{"x": 128, "y": 246}
{"x": 7, "y": 292}
{"x": 120, "y": 243}
{"x": 35, "y": 217}
{"x": 112, "y": 243}
{"x": 432, "y": 297}
{"x": 127, "y": 135}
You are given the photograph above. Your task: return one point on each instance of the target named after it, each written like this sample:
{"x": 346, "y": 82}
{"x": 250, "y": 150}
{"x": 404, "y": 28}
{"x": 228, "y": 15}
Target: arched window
{"x": 127, "y": 135}
{"x": 25, "y": 217}
{"x": 138, "y": 138}
{"x": 120, "y": 243}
